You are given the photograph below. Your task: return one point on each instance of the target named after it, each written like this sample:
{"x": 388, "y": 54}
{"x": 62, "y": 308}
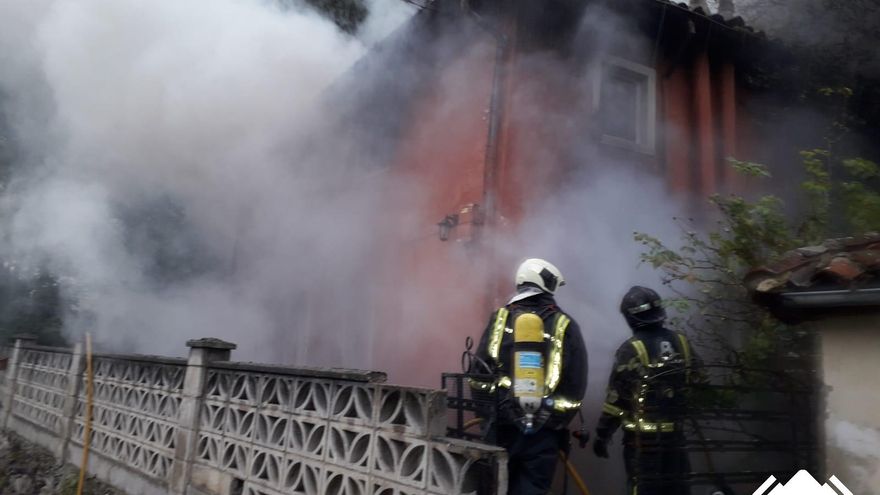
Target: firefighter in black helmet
{"x": 537, "y": 356}
{"x": 647, "y": 397}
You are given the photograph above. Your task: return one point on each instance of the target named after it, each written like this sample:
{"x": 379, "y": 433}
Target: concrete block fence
{"x": 209, "y": 426}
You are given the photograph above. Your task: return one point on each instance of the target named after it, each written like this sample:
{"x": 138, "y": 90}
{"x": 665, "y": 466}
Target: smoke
{"x": 840, "y": 35}
{"x": 602, "y": 194}
{"x": 185, "y": 171}
{"x": 585, "y": 224}
{"x": 174, "y": 173}
{"x": 385, "y": 16}
{"x": 168, "y": 172}
{"x": 856, "y": 450}
{"x": 854, "y": 439}
{"x": 588, "y": 233}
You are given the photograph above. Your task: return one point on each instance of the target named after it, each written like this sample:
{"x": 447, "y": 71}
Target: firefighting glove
{"x": 600, "y": 447}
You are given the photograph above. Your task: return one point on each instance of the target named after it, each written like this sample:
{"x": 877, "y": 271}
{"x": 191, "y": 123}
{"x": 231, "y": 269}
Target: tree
{"x": 30, "y": 300}
{"x": 347, "y": 14}
{"x": 31, "y": 304}
{"x": 840, "y": 197}
{"x": 833, "y": 44}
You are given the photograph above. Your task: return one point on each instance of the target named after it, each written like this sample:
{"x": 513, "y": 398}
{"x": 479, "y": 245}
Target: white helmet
{"x": 541, "y": 273}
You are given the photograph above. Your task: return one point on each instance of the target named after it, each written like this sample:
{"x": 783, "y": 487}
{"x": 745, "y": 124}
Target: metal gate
{"x": 742, "y": 425}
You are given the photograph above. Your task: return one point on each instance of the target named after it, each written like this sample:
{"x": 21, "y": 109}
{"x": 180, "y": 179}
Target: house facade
{"x": 511, "y": 102}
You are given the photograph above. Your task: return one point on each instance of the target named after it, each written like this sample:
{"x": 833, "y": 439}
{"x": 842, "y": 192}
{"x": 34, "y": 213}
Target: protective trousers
{"x": 656, "y": 464}
{"x": 532, "y": 458}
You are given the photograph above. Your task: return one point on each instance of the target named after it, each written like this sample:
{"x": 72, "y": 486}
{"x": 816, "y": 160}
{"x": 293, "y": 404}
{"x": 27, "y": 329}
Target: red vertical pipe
{"x": 677, "y": 130}
{"x": 497, "y": 151}
{"x": 705, "y": 129}
{"x": 728, "y": 124}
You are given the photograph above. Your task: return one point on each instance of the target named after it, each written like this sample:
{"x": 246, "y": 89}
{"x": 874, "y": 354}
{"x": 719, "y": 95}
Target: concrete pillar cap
{"x": 210, "y": 343}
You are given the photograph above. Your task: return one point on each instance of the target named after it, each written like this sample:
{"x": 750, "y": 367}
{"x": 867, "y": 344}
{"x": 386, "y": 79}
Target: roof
{"x": 848, "y": 263}
{"x": 736, "y": 22}
{"x": 733, "y": 23}
{"x": 839, "y": 273}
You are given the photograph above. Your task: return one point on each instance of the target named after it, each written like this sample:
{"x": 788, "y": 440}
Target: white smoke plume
{"x": 385, "y": 16}
{"x": 169, "y": 177}
{"x": 588, "y": 233}
{"x": 178, "y": 131}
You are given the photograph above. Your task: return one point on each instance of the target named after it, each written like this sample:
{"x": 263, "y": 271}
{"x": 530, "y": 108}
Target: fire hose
{"x": 574, "y": 474}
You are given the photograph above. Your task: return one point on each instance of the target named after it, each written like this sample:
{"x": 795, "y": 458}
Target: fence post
{"x": 12, "y": 374}
{"x": 202, "y": 352}
{"x": 68, "y": 412}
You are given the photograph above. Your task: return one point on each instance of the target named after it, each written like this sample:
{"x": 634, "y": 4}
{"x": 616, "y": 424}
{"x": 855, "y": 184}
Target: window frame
{"x": 646, "y": 127}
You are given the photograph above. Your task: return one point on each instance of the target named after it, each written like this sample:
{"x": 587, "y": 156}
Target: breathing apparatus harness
{"x": 534, "y": 371}
{"x": 527, "y": 402}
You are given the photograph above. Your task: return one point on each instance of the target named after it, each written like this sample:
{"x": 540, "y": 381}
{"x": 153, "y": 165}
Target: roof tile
{"x": 836, "y": 263}
{"x": 843, "y": 269}
{"x": 868, "y": 258}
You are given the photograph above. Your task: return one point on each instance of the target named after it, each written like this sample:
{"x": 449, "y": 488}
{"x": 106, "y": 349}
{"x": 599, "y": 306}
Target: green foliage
{"x": 30, "y": 304}
{"x": 749, "y": 169}
{"x": 817, "y": 189}
{"x": 69, "y": 485}
{"x": 860, "y": 195}
{"x": 706, "y": 270}
{"x": 840, "y": 196}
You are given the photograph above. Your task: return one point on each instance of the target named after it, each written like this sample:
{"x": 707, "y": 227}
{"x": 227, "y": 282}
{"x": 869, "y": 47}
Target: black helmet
{"x": 641, "y": 307}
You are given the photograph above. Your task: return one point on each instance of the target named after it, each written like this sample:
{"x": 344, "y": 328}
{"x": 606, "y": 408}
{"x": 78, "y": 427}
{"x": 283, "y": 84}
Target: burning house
{"x": 499, "y": 108}
{"x": 511, "y": 117}
{"x": 481, "y": 132}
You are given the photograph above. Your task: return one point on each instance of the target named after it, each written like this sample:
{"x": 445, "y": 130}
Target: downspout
{"x": 672, "y": 82}
{"x": 730, "y": 181}
{"x": 705, "y": 120}
{"x": 491, "y": 163}
{"x": 496, "y": 109}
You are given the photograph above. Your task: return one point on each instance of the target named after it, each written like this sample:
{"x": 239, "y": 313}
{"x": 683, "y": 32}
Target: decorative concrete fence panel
{"x": 208, "y": 426}
{"x": 40, "y": 387}
{"x": 135, "y": 412}
{"x": 5, "y": 354}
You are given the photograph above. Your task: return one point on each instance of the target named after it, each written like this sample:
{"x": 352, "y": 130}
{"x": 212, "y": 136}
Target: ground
{"x": 26, "y": 469}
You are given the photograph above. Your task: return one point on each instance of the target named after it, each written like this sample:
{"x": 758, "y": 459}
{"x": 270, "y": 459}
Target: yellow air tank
{"x": 528, "y": 365}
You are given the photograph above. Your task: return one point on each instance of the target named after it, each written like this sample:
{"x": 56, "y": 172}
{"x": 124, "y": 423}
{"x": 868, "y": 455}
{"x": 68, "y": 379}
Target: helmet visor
{"x": 648, "y": 313}
{"x": 641, "y": 308}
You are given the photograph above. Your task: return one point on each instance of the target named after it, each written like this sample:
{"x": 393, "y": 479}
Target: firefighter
{"x": 536, "y": 354}
{"x": 647, "y": 396}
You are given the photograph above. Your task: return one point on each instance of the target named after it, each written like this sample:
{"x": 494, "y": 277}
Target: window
{"x": 626, "y": 98}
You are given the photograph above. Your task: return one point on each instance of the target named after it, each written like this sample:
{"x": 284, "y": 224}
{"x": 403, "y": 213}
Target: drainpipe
{"x": 493, "y": 143}
{"x": 705, "y": 120}
{"x": 729, "y": 180}
{"x": 496, "y": 110}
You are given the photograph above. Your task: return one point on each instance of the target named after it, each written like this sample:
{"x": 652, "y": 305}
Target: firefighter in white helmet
{"x": 539, "y": 362}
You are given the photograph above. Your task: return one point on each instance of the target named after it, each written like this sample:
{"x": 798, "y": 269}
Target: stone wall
{"x": 209, "y": 426}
